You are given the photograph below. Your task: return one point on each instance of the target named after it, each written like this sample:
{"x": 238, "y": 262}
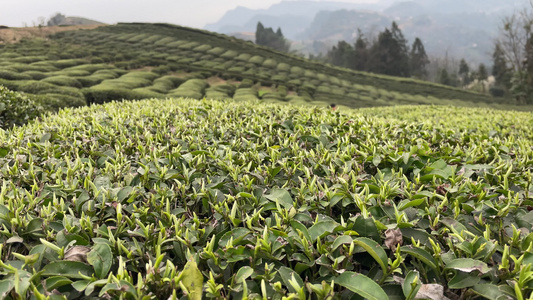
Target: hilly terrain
{"x": 135, "y": 61}
{"x": 219, "y": 188}
{"x": 456, "y": 28}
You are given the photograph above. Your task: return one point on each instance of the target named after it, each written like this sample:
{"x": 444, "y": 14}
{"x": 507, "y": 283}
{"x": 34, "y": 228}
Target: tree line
{"x": 389, "y": 54}
{"x": 267, "y": 37}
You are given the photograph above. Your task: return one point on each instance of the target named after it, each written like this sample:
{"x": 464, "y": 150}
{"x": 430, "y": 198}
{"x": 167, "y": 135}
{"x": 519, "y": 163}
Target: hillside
{"x": 454, "y": 27}
{"x": 14, "y": 35}
{"x": 134, "y": 61}
{"x": 160, "y": 199}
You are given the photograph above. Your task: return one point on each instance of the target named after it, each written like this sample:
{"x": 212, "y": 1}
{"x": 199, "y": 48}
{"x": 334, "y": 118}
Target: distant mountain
{"x": 343, "y": 24}
{"x": 457, "y": 28}
{"x": 292, "y": 16}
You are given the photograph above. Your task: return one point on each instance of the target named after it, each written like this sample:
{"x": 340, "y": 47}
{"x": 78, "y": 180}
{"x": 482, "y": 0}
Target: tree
{"x": 389, "y": 54}
{"x": 56, "y": 19}
{"x": 360, "y": 52}
{"x": 267, "y": 37}
{"x": 402, "y": 54}
{"x": 444, "y": 78}
{"x": 482, "y": 75}
{"x": 464, "y": 72}
{"x": 418, "y": 59}
{"x": 515, "y": 36}
{"x": 341, "y": 55}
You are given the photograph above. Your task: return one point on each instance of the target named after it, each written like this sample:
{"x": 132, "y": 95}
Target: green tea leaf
{"x": 69, "y": 269}
{"x": 193, "y": 279}
{"x": 375, "y": 250}
{"x": 55, "y": 282}
{"x": 101, "y": 258}
{"x": 411, "y": 285}
{"x": 463, "y": 280}
{"x": 243, "y": 273}
{"x": 282, "y": 196}
{"x": 468, "y": 265}
{"x": 286, "y": 275}
{"x": 361, "y": 285}
{"x": 420, "y": 254}
{"x": 322, "y": 228}
{"x": 490, "y": 291}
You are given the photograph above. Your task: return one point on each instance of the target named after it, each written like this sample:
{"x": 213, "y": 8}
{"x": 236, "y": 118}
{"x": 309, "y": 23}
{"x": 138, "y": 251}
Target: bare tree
{"x": 515, "y": 32}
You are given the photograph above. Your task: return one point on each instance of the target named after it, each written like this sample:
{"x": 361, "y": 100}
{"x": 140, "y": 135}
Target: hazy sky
{"x": 195, "y": 13}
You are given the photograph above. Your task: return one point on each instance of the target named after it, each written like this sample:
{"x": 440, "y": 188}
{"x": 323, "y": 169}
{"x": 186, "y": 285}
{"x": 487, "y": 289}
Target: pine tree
{"x": 444, "y": 78}
{"x": 464, "y": 72}
{"x": 267, "y": 37}
{"x": 341, "y": 55}
{"x": 360, "y": 52}
{"x": 482, "y": 75}
{"x": 418, "y": 59}
{"x": 402, "y": 62}
{"x": 260, "y": 34}
{"x": 389, "y": 54}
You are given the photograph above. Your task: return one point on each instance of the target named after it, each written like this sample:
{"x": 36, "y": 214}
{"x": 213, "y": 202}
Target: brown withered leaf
{"x": 393, "y": 237}
{"x": 77, "y": 253}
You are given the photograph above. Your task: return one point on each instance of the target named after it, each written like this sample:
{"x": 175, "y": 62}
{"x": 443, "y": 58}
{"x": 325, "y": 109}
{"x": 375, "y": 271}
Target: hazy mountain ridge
{"x": 447, "y": 27}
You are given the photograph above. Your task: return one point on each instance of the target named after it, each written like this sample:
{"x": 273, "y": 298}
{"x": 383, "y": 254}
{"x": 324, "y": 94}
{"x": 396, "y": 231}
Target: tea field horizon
{"x": 236, "y": 181}
{"x": 142, "y": 60}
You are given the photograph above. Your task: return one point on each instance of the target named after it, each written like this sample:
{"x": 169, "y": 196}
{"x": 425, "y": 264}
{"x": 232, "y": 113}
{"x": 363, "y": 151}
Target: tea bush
{"x": 16, "y": 108}
{"x": 159, "y": 199}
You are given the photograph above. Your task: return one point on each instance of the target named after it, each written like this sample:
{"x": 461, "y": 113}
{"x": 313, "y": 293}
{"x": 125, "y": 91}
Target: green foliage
{"x": 267, "y": 37}
{"x": 219, "y": 199}
{"x": 16, "y": 108}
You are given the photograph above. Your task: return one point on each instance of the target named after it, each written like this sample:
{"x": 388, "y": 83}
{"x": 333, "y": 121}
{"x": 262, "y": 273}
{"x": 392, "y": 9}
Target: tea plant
{"x": 161, "y": 199}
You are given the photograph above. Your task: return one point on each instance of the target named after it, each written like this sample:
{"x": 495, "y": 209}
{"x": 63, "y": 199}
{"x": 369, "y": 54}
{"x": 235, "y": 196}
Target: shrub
{"x": 216, "y": 51}
{"x": 36, "y": 75}
{"x": 297, "y": 71}
{"x": 245, "y": 94}
{"x": 13, "y": 75}
{"x": 192, "y": 88}
{"x": 497, "y": 91}
{"x": 270, "y": 63}
{"x": 257, "y": 60}
{"x": 244, "y": 57}
{"x": 246, "y": 83}
{"x": 63, "y": 81}
{"x": 165, "y": 41}
{"x": 55, "y": 102}
{"x": 202, "y": 48}
{"x": 16, "y": 108}
{"x": 102, "y": 95}
{"x": 230, "y": 54}
{"x": 283, "y": 67}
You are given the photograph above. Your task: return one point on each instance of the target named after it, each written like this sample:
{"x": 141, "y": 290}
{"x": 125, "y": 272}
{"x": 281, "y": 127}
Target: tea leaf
{"x": 361, "y": 285}
{"x": 101, "y": 258}
{"x": 193, "y": 279}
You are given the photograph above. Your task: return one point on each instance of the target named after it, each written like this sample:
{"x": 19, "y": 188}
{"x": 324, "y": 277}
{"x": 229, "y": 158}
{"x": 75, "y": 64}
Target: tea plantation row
{"x": 181, "y": 199}
{"x": 136, "y": 61}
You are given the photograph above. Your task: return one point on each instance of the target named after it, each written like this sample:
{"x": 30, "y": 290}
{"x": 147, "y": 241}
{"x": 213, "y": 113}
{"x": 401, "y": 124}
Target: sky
{"x": 193, "y": 13}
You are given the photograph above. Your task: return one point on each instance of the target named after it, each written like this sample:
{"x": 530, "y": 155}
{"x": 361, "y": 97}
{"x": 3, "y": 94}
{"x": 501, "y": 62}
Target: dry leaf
{"x": 77, "y": 253}
{"x": 393, "y": 237}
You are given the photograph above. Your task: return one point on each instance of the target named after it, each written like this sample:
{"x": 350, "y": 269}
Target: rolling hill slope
{"x": 133, "y": 61}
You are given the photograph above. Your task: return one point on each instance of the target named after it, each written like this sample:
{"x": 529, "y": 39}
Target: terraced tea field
{"x": 248, "y": 197}
{"x": 181, "y": 199}
{"x": 135, "y": 61}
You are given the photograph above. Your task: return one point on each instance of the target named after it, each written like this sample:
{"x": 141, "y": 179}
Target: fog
{"x": 193, "y": 13}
